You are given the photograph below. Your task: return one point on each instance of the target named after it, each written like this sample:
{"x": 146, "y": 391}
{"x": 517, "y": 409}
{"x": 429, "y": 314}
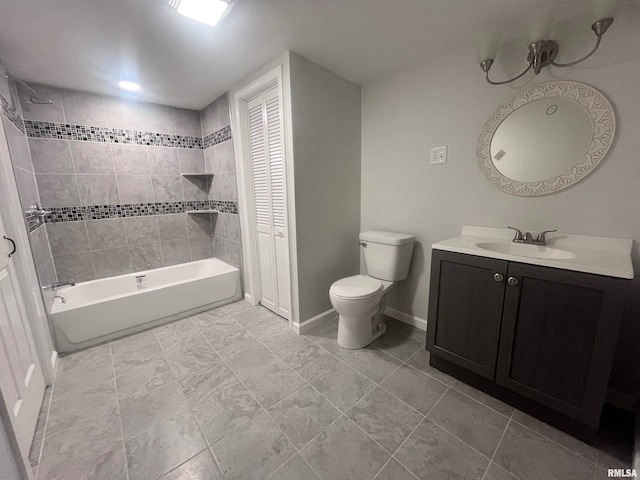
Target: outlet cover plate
{"x": 438, "y": 156}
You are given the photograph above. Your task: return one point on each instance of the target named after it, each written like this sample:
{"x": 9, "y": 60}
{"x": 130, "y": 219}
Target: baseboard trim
{"x": 407, "y": 318}
{"x": 307, "y": 325}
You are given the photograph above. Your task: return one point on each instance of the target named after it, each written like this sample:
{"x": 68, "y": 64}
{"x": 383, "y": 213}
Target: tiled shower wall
{"x": 219, "y": 158}
{"x": 26, "y": 181}
{"x": 119, "y": 178}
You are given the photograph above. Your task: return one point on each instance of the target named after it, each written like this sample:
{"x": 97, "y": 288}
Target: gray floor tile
{"x": 530, "y": 456}
{"x": 432, "y": 453}
{"x": 268, "y": 377}
{"x": 408, "y": 330}
{"x": 131, "y": 360}
{"x": 318, "y": 331}
{"x": 254, "y": 450}
{"x": 133, "y": 342}
{"x": 267, "y": 326}
{"x": 285, "y": 343}
{"x": 311, "y": 361}
{"x": 38, "y": 435}
{"x": 495, "y": 472}
{"x": 343, "y": 386}
{"x": 163, "y": 447}
{"x": 97, "y": 400}
{"x": 373, "y": 363}
{"x": 483, "y": 398}
{"x": 237, "y": 307}
{"x": 329, "y": 342}
{"x": 470, "y": 421}
{"x": 556, "y": 436}
{"x": 342, "y": 451}
{"x": 108, "y": 466}
{"x": 85, "y": 357}
{"x": 599, "y": 473}
{"x": 225, "y": 409}
{"x": 420, "y": 360}
{"x": 144, "y": 377}
{"x": 384, "y": 418}
{"x": 200, "y": 467}
{"x": 254, "y": 316}
{"x": 415, "y": 388}
{"x": 196, "y": 384}
{"x": 295, "y": 469}
{"x": 172, "y": 329}
{"x": 398, "y": 342}
{"x": 183, "y": 342}
{"x": 394, "y": 471}
{"x": 73, "y": 381}
{"x": 144, "y": 411}
{"x": 303, "y": 415}
{"x": 78, "y": 445}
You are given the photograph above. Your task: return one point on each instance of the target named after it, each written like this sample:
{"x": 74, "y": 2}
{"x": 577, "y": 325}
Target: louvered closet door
{"x": 269, "y": 196}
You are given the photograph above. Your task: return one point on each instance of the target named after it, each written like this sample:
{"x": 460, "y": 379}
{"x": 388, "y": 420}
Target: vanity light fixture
{"x": 205, "y": 11}
{"x": 543, "y": 52}
{"x": 129, "y": 86}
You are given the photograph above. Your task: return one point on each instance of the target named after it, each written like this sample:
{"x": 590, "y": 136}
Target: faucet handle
{"x": 519, "y": 236}
{"x": 541, "y": 236}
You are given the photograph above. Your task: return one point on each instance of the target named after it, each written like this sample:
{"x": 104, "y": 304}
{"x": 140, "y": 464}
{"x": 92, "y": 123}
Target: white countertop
{"x": 598, "y": 255}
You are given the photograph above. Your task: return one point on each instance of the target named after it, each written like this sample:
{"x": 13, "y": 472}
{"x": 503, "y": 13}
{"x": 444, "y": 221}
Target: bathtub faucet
{"x": 62, "y": 299}
{"x": 55, "y": 286}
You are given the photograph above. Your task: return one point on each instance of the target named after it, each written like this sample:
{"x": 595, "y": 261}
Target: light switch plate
{"x": 438, "y": 156}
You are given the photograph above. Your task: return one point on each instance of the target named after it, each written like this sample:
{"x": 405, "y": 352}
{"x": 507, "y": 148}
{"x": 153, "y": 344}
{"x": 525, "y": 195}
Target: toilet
{"x": 360, "y": 300}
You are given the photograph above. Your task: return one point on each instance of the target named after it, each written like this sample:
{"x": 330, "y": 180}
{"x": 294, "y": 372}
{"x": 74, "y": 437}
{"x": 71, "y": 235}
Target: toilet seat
{"x": 356, "y": 287}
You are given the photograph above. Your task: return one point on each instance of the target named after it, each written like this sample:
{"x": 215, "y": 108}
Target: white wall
{"x": 326, "y": 150}
{"x": 446, "y": 102}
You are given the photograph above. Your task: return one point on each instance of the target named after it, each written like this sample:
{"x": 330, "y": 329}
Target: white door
{"x": 21, "y": 380}
{"x": 266, "y": 149}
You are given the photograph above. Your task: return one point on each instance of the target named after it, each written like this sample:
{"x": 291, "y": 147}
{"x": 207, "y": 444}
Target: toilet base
{"x": 355, "y": 333}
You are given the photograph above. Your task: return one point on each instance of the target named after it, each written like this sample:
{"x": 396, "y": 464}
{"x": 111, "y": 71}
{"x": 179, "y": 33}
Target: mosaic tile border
{"x": 217, "y": 137}
{"x": 85, "y": 133}
{"x": 12, "y": 114}
{"x": 100, "y": 212}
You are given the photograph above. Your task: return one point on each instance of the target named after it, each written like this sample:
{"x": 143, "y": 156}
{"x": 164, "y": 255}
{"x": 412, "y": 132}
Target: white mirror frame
{"x": 603, "y": 132}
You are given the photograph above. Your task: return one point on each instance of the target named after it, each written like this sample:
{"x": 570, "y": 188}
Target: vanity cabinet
{"x": 547, "y": 334}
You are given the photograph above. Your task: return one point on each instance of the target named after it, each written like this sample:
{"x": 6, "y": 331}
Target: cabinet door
{"x": 465, "y": 310}
{"x": 559, "y": 332}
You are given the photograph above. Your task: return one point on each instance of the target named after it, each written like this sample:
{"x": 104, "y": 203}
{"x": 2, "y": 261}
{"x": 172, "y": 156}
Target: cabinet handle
{"x": 498, "y": 277}
{"x": 512, "y": 281}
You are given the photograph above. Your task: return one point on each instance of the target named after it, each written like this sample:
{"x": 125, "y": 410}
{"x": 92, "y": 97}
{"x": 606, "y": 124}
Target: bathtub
{"x": 100, "y": 310}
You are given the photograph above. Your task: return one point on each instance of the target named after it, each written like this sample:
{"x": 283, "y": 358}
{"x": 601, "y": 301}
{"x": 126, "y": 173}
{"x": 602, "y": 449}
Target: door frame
{"x": 277, "y": 76}
{"x": 32, "y": 293}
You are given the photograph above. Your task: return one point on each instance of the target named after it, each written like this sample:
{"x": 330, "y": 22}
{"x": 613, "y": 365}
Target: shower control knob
{"x": 512, "y": 281}
{"x": 498, "y": 277}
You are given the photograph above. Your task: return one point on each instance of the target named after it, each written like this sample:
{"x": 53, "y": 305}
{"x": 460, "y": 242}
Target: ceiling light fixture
{"x": 205, "y": 11}
{"x": 129, "y": 86}
{"x": 543, "y": 52}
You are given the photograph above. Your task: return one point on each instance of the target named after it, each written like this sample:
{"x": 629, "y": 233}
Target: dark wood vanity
{"x": 539, "y": 338}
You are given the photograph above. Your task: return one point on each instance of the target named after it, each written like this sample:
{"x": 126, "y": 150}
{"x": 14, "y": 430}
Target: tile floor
{"x": 233, "y": 394}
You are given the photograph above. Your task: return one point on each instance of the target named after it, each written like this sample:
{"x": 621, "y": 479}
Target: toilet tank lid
{"x": 387, "y": 238}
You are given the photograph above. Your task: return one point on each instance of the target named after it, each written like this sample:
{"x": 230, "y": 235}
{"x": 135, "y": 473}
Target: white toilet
{"x": 360, "y": 300}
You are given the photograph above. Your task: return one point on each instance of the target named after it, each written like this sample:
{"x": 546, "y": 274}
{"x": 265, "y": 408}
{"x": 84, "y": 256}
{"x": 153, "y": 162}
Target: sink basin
{"x": 525, "y": 250}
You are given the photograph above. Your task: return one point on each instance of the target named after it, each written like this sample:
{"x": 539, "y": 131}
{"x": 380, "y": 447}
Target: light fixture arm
{"x": 600, "y": 27}
{"x": 544, "y": 52}
{"x": 486, "y": 65}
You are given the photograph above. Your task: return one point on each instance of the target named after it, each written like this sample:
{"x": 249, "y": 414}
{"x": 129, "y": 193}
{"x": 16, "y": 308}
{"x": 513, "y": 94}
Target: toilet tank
{"x": 387, "y": 254}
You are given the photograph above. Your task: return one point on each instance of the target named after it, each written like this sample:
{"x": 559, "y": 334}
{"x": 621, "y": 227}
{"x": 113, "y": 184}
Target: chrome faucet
{"x": 55, "y": 286}
{"x": 62, "y": 299}
{"x": 526, "y": 237}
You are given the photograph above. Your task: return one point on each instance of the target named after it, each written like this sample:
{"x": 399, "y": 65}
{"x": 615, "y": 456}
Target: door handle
{"x": 512, "y": 281}
{"x": 13, "y": 245}
{"x": 280, "y": 235}
{"x": 498, "y": 277}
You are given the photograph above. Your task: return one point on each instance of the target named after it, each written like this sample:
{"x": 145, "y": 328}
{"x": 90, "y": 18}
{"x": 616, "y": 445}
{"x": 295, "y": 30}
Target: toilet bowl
{"x": 360, "y": 300}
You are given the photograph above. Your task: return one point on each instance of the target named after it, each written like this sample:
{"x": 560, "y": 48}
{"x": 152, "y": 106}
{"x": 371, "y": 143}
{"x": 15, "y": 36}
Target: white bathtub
{"x": 101, "y": 310}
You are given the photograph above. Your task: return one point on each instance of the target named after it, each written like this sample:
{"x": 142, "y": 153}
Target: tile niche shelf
{"x": 202, "y": 211}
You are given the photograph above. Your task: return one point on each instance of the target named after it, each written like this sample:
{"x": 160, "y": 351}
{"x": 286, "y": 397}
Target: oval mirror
{"x": 546, "y": 138}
